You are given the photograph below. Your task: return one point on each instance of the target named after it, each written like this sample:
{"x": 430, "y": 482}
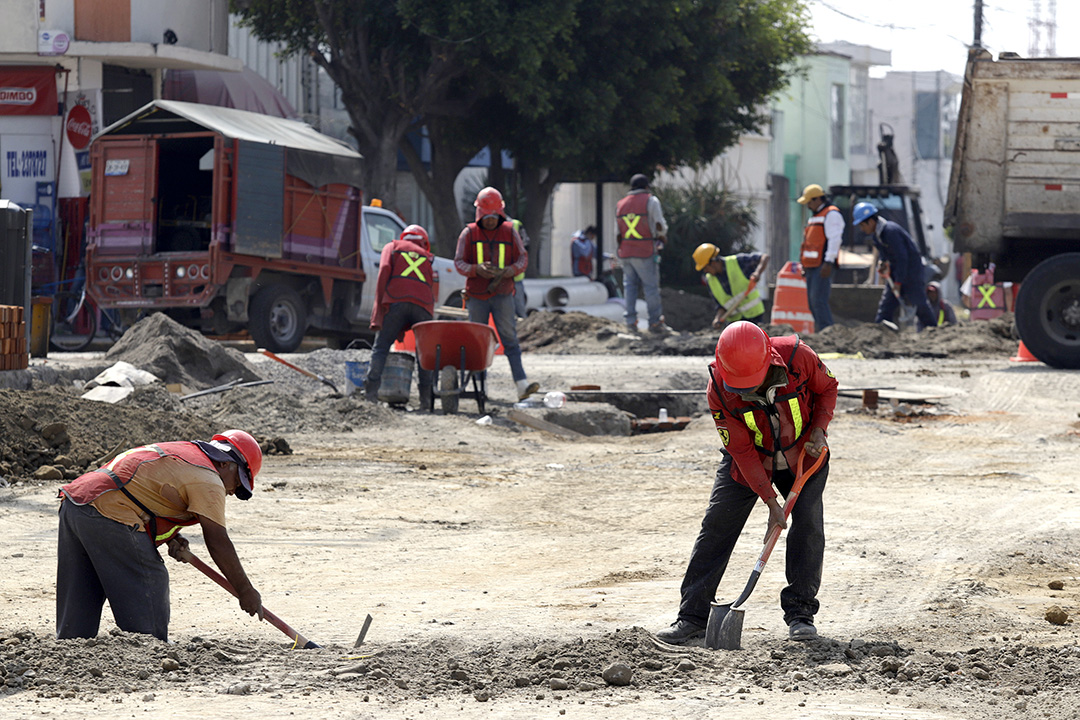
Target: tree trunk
{"x": 537, "y": 185}
{"x": 447, "y": 161}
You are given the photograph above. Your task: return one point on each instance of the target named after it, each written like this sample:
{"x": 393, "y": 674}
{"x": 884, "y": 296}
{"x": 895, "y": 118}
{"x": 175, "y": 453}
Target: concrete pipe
{"x": 591, "y": 293}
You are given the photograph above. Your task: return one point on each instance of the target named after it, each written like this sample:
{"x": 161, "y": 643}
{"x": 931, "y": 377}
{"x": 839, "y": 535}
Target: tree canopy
{"x": 582, "y": 90}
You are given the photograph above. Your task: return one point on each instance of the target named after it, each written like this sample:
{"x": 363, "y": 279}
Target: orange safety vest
{"x": 411, "y": 275}
{"x": 88, "y": 487}
{"x": 635, "y": 236}
{"x": 812, "y": 252}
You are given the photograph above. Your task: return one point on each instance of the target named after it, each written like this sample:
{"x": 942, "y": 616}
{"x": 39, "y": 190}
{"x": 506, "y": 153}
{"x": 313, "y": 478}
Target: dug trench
{"x": 507, "y": 570}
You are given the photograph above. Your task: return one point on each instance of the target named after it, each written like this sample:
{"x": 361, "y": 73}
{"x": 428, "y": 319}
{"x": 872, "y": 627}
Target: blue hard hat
{"x": 863, "y": 211}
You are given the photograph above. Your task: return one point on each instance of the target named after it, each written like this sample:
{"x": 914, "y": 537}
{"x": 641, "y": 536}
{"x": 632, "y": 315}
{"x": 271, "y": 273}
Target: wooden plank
{"x": 536, "y": 423}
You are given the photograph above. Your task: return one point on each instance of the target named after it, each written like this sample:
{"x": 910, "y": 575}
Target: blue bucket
{"x": 355, "y": 374}
{"x": 397, "y": 378}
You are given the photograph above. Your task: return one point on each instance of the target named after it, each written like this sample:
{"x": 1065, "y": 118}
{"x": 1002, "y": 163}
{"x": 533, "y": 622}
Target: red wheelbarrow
{"x": 458, "y": 351}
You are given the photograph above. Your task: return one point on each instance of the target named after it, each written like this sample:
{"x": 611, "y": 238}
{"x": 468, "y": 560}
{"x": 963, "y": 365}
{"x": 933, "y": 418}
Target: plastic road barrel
{"x": 789, "y": 301}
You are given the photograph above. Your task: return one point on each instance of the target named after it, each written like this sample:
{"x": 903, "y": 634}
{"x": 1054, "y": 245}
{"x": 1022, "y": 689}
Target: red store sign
{"x": 28, "y": 90}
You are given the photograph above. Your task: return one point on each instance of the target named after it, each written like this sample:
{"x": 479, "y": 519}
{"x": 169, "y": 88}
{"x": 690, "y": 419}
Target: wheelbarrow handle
{"x": 299, "y": 641}
{"x": 801, "y": 477}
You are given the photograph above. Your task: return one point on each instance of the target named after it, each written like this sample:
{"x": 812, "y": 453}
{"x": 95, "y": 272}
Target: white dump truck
{"x": 1014, "y": 193}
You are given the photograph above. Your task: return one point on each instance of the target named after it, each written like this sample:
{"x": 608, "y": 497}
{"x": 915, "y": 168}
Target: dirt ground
{"x": 515, "y": 573}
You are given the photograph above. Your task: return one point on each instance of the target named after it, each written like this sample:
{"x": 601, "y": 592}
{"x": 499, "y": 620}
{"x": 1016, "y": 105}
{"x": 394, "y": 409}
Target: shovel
{"x": 299, "y": 641}
{"x": 724, "y": 630}
{"x": 735, "y": 302}
{"x": 302, "y": 371}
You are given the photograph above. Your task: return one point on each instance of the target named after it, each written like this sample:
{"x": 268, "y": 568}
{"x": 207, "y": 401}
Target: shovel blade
{"x": 724, "y": 631}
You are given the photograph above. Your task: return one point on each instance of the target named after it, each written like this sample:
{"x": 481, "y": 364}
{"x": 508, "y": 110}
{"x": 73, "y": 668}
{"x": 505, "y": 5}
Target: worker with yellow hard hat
{"x": 820, "y": 251}
{"x": 732, "y": 280}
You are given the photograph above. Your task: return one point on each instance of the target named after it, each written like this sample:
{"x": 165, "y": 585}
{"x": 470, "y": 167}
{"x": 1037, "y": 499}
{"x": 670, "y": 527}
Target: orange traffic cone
{"x": 790, "y": 306}
{"x": 1023, "y": 354}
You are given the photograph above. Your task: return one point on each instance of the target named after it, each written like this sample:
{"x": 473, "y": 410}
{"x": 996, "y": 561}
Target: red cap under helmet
{"x": 742, "y": 356}
{"x": 489, "y": 201}
{"x": 416, "y": 234}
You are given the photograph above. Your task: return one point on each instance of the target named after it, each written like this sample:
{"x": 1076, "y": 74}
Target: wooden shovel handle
{"x": 286, "y": 363}
{"x": 298, "y": 639}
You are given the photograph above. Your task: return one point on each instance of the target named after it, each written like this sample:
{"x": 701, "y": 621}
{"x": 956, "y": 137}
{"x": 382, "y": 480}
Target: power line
{"x": 864, "y": 21}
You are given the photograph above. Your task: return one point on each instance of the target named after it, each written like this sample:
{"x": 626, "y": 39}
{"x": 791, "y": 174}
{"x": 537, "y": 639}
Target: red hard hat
{"x": 489, "y": 201}
{"x": 742, "y": 355}
{"x": 250, "y": 452}
{"x": 416, "y": 234}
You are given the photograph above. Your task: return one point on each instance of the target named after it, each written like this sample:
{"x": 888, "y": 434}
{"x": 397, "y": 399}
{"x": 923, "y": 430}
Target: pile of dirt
{"x": 687, "y": 312}
{"x": 52, "y": 435}
{"x": 176, "y": 354}
{"x": 984, "y": 338}
{"x": 603, "y": 668}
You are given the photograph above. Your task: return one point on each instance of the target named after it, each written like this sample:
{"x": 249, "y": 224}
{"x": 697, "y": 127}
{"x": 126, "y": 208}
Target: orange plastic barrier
{"x": 789, "y": 301}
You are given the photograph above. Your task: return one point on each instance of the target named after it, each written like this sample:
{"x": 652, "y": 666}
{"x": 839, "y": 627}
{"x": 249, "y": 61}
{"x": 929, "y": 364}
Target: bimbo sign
{"x": 28, "y": 90}
{"x": 17, "y": 96}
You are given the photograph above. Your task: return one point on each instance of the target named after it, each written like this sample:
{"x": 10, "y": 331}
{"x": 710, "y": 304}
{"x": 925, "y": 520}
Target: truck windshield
{"x": 381, "y": 229}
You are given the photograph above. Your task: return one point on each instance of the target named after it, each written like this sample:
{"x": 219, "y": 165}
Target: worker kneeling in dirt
{"x": 112, "y": 520}
{"x": 769, "y": 397}
{"x": 403, "y": 298}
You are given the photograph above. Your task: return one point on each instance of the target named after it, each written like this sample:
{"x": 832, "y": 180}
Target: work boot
{"x": 680, "y": 631}
{"x": 660, "y": 328}
{"x": 427, "y": 399}
{"x": 526, "y": 388}
{"x": 802, "y": 629}
{"x": 371, "y": 393}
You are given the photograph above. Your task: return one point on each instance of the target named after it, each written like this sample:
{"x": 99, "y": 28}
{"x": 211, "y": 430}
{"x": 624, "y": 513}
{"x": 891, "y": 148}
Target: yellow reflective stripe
{"x": 479, "y": 253}
{"x": 796, "y": 415}
{"x": 748, "y": 418}
{"x": 168, "y": 534}
{"x": 415, "y": 261}
{"x": 987, "y": 296}
{"x": 941, "y": 318}
{"x": 502, "y": 255}
{"x": 631, "y": 221}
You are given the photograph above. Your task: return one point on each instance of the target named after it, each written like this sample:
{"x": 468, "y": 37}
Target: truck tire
{"x": 277, "y": 318}
{"x": 1048, "y": 311}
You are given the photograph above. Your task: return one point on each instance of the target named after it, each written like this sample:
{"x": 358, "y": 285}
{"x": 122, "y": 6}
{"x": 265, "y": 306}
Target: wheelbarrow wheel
{"x": 449, "y": 391}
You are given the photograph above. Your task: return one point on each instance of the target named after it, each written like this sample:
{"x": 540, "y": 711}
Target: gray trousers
{"x": 98, "y": 559}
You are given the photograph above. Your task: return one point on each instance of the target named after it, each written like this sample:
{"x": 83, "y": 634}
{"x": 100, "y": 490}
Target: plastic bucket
{"x": 396, "y": 378}
{"x": 355, "y": 374}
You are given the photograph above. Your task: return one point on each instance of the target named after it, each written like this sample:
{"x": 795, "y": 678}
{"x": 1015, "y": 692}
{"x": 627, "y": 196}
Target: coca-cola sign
{"x": 79, "y": 127}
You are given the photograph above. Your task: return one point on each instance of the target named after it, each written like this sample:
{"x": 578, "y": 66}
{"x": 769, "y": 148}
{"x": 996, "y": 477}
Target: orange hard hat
{"x": 743, "y": 353}
{"x": 489, "y": 201}
{"x": 249, "y": 460}
{"x": 416, "y": 234}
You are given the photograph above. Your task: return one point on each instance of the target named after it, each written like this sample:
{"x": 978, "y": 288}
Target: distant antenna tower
{"x": 1042, "y": 30}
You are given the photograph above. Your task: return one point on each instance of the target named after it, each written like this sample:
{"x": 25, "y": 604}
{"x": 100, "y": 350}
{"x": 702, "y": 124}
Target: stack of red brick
{"x": 13, "y": 354}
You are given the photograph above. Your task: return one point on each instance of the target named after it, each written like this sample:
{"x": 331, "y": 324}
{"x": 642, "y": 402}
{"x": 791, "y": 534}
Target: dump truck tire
{"x": 1048, "y": 311}
{"x": 277, "y": 318}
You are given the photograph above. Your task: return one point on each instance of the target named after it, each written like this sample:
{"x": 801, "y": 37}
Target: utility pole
{"x": 1042, "y": 30}
{"x": 977, "y": 41}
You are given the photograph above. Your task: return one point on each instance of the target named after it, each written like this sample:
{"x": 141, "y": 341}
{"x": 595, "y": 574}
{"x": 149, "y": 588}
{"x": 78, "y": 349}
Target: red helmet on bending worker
{"x": 489, "y": 201}
{"x": 416, "y": 234}
{"x": 743, "y": 354}
{"x": 249, "y": 458}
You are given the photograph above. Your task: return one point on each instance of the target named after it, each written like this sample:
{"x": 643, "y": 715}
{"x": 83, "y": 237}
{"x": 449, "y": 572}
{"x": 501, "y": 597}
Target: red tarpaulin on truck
{"x": 28, "y": 90}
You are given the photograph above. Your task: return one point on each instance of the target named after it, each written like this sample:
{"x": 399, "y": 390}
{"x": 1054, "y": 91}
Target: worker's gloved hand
{"x": 826, "y": 269}
{"x": 251, "y": 602}
{"x": 486, "y": 270}
{"x": 883, "y": 267}
{"x": 776, "y": 517}
{"x": 817, "y": 443}
{"x": 178, "y": 545}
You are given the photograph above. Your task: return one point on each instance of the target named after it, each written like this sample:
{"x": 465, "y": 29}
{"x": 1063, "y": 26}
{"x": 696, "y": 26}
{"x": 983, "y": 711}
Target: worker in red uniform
{"x": 490, "y": 253}
{"x": 404, "y": 296}
{"x": 769, "y": 398}
{"x": 112, "y": 519}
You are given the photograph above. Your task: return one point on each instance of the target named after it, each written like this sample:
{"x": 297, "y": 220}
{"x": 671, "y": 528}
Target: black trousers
{"x": 729, "y": 507}
{"x": 98, "y": 559}
{"x": 398, "y": 318}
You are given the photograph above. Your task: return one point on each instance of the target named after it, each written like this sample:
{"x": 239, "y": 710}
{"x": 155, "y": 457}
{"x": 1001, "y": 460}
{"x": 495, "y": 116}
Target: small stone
{"x": 618, "y": 674}
{"x": 1056, "y": 585}
{"x": 148, "y": 697}
{"x": 980, "y": 674}
{"x": 482, "y": 696}
{"x": 1056, "y": 616}
{"x": 239, "y": 689}
{"x": 857, "y": 643}
{"x": 562, "y": 664}
{"x": 96, "y": 672}
{"x": 798, "y": 676}
{"x": 48, "y": 472}
{"x": 652, "y": 664}
{"x": 522, "y": 682}
{"x": 686, "y": 666}
{"x": 401, "y": 684}
{"x": 587, "y": 686}
{"x": 169, "y": 665}
{"x": 558, "y": 684}
{"x": 459, "y": 675}
{"x": 143, "y": 674}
